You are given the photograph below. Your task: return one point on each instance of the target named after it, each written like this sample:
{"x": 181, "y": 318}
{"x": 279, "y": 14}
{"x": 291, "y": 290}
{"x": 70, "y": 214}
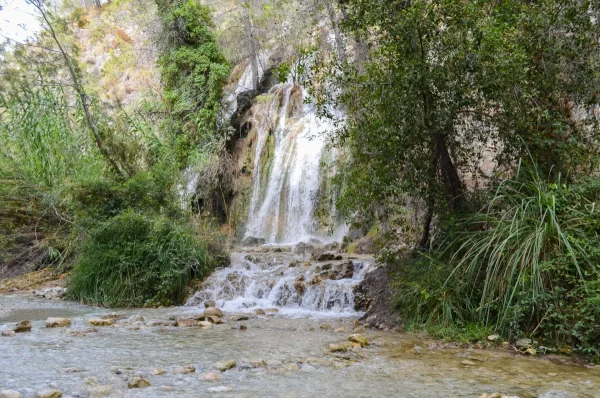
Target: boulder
{"x": 8, "y": 333}
{"x": 225, "y": 365}
{"x": 58, "y": 322}
{"x": 210, "y": 303}
{"x": 10, "y": 394}
{"x": 524, "y": 343}
{"x": 138, "y": 382}
{"x": 158, "y": 372}
{"x": 23, "y": 326}
{"x": 100, "y": 322}
{"x": 213, "y": 311}
{"x": 184, "y": 370}
{"x": 253, "y": 241}
{"x": 48, "y": 393}
{"x": 359, "y": 339}
{"x": 259, "y": 311}
{"x": 342, "y": 347}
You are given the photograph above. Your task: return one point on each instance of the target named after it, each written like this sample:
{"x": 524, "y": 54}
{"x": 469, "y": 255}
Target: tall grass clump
{"x": 136, "y": 260}
{"x": 527, "y": 264}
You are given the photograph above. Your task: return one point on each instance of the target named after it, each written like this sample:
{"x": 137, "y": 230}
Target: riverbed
{"x": 276, "y": 356}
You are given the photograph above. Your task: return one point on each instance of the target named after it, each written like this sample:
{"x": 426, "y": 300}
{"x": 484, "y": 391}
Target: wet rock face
{"x": 253, "y": 241}
{"x": 373, "y": 296}
{"x": 21, "y": 327}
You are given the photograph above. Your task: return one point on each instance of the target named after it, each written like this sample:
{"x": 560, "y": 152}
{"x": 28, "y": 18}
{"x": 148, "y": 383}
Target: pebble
{"x": 48, "y": 393}
{"x": 210, "y": 376}
{"x": 10, "y": 394}
{"x": 184, "y": 370}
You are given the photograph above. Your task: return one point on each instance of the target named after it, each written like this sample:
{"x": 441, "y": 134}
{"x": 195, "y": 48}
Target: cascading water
{"x": 285, "y": 281}
{"x": 282, "y": 208}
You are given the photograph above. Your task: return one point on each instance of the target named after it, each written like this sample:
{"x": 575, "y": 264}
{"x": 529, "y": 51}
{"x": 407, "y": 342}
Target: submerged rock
{"x": 100, "y": 322}
{"x": 138, "y": 382}
{"x": 184, "y": 370}
{"x": 219, "y": 389}
{"x": 112, "y": 315}
{"x": 10, "y": 394}
{"x": 48, "y": 393}
{"x": 21, "y": 327}
{"x": 186, "y": 322}
{"x": 205, "y": 324}
{"x": 135, "y": 318}
{"x": 359, "y": 339}
{"x": 58, "y": 322}
{"x": 225, "y": 365}
{"x": 259, "y": 311}
{"x": 210, "y": 376}
{"x": 303, "y": 248}
{"x": 158, "y": 372}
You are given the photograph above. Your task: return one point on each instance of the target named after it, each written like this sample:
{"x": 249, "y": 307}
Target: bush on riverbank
{"x": 137, "y": 259}
{"x": 526, "y": 265}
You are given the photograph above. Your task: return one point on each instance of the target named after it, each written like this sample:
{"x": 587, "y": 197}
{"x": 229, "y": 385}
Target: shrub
{"x": 135, "y": 259}
{"x": 526, "y": 264}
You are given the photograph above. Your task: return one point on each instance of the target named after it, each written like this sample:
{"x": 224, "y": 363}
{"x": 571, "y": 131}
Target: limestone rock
{"x": 100, "y": 322}
{"x": 493, "y": 337}
{"x": 213, "y": 311}
{"x": 23, "y": 326}
{"x": 467, "y": 362}
{"x": 210, "y": 376}
{"x": 210, "y": 303}
{"x": 112, "y": 315}
{"x": 8, "y": 333}
{"x": 48, "y": 393}
{"x": 58, "y": 322}
{"x": 156, "y": 323}
{"x": 135, "y": 318}
{"x": 184, "y": 370}
{"x": 219, "y": 389}
{"x": 205, "y": 324}
{"x": 186, "y": 322}
{"x": 226, "y": 365}
{"x": 271, "y": 310}
{"x": 253, "y": 241}
{"x": 51, "y": 293}
{"x": 138, "y": 382}
{"x": 158, "y": 372}
{"x": 10, "y": 394}
{"x": 259, "y": 311}
{"x": 342, "y": 347}
{"x": 303, "y": 248}
{"x": 524, "y": 343}
{"x": 359, "y": 339}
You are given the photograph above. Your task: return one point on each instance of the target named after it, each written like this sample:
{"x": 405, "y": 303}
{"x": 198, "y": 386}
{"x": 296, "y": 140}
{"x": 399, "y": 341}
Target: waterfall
{"x": 282, "y": 207}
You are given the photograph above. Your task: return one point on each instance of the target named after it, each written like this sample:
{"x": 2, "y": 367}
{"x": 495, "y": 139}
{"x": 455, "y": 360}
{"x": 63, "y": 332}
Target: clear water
{"x": 390, "y": 367}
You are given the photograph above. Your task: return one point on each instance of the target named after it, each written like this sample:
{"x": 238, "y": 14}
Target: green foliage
{"x": 527, "y": 264}
{"x": 194, "y": 72}
{"x": 445, "y": 78}
{"x": 136, "y": 260}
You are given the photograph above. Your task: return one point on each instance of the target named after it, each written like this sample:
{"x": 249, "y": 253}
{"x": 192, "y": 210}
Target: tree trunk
{"x": 252, "y": 47}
